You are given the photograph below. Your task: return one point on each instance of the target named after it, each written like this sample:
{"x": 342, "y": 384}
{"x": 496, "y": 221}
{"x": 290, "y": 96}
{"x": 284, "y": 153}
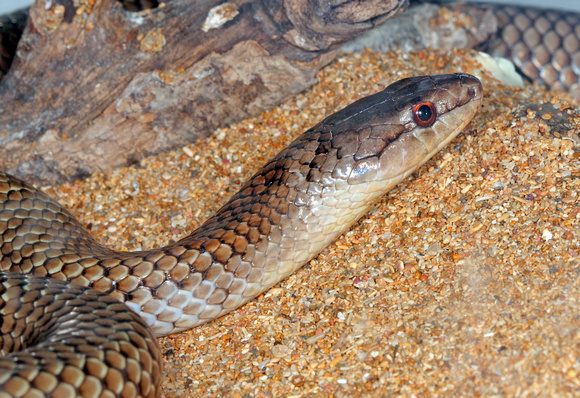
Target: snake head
{"x": 386, "y": 136}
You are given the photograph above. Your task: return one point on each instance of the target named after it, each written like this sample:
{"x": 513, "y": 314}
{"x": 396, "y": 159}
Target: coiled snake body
{"x": 60, "y": 339}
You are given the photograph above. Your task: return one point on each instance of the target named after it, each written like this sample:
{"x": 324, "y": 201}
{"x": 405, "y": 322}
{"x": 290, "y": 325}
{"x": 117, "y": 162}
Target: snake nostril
{"x": 472, "y": 92}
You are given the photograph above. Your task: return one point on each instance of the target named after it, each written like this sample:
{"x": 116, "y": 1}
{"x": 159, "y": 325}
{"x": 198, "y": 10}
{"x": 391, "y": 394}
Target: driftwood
{"x": 94, "y": 86}
{"x": 456, "y": 25}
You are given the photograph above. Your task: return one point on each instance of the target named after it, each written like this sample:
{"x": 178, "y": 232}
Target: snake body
{"x": 543, "y": 44}
{"x": 289, "y": 211}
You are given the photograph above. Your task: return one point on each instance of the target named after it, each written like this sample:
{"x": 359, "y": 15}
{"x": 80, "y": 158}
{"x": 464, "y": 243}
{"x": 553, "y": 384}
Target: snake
{"x": 80, "y": 319}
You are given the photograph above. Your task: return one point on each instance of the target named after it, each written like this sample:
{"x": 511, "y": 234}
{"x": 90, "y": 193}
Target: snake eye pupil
{"x": 424, "y": 114}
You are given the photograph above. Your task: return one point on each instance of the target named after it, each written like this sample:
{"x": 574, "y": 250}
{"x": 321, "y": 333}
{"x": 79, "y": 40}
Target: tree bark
{"x": 94, "y": 86}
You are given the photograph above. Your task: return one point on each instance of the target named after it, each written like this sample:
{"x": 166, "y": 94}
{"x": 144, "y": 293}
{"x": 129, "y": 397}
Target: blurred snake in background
{"x": 68, "y": 339}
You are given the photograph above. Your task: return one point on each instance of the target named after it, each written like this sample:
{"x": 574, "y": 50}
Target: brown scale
{"x": 115, "y": 351}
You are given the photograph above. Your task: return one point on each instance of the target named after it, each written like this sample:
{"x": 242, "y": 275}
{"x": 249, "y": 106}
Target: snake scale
{"x": 60, "y": 337}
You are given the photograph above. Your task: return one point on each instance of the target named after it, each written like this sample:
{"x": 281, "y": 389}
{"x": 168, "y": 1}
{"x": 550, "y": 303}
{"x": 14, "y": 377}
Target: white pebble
{"x": 546, "y": 235}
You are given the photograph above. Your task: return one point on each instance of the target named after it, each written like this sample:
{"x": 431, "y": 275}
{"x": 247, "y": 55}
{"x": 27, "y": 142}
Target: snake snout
{"x": 472, "y": 84}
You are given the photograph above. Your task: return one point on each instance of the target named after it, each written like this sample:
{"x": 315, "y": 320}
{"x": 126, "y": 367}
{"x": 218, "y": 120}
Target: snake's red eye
{"x": 424, "y": 114}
